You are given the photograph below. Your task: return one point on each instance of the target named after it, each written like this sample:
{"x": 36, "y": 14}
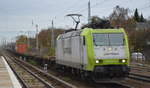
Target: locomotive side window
{"x": 67, "y": 45}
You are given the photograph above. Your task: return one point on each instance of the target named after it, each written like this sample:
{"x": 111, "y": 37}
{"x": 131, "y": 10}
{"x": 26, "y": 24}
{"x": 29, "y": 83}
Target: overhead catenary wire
{"x": 94, "y": 5}
{"x": 70, "y": 7}
{"x": 81, "y": 10}
{"x": 142, "y": 8}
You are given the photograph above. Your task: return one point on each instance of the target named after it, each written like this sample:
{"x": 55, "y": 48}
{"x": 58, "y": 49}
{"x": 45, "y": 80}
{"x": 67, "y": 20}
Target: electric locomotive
{"x": 96, "y": 53}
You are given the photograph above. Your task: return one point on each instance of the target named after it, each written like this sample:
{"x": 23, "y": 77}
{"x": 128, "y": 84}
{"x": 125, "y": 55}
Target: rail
{"x": 139, "y": 77}
{"x": 40, "y": 74}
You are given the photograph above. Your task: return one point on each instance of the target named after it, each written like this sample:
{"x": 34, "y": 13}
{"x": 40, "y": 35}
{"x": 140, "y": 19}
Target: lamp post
{"x": 52, "y": 40}
{"x": 37, "y": 39}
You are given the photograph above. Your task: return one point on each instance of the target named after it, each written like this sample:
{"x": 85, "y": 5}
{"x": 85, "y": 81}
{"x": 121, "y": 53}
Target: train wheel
{"x": 85, "y": 75}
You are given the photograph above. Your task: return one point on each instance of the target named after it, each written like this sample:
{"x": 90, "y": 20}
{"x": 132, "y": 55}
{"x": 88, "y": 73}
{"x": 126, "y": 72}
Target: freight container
{"x": 21, "y": 48}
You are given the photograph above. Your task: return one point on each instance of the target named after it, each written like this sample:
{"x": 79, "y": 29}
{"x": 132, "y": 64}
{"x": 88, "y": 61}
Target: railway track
{"x": 111, "y": 85}
{"x": 47, "y": 79}
{"x": 138, "y": 68}
{"x": 27, "y": 79}
{"x": 140, "y": 72}
{"x": 139, "y": 77}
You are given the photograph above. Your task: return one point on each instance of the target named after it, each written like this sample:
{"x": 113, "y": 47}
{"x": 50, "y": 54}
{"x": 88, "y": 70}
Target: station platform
{"x": 7, "y": 77}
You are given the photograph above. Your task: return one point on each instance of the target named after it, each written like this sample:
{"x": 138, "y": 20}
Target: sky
{"x": 16, "y": 16}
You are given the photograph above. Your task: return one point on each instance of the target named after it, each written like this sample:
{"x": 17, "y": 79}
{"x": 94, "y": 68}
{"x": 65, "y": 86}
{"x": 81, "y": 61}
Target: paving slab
{"x": 7, "y": 77}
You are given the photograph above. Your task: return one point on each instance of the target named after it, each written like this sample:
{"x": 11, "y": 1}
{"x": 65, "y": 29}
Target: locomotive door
{"x": 83, "y": 52}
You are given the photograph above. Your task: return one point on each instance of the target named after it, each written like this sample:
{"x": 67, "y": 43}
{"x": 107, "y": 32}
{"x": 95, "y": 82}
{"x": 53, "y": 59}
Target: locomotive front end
{"x": 109, "y": 53}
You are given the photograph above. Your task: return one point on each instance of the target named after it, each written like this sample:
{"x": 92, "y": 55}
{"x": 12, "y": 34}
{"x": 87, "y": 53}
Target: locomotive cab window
{"x": 114, "y": 39}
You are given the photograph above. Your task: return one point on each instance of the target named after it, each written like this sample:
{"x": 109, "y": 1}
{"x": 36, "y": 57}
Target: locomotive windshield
{"x": 116, "y": 39}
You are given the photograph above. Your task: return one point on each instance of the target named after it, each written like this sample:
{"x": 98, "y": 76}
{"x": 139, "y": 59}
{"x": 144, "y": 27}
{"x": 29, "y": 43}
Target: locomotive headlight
{"x": 110, "y": 49}
{"x": 97, "y": 61}
{"x": 123, "y": 61}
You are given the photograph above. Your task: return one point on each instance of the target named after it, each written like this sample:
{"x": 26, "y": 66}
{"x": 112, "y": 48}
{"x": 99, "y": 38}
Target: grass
{"x": 32, "y": 62}
{"x": 66, "y": 78}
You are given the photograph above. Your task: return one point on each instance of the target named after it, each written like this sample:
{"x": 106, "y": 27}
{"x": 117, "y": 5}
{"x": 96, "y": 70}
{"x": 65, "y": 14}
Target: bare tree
{"x": 119, "y": 16}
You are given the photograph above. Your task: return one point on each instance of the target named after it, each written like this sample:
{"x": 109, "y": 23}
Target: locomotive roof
{"x": 86, "y": 30}
{"x": 69, "y": 34}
